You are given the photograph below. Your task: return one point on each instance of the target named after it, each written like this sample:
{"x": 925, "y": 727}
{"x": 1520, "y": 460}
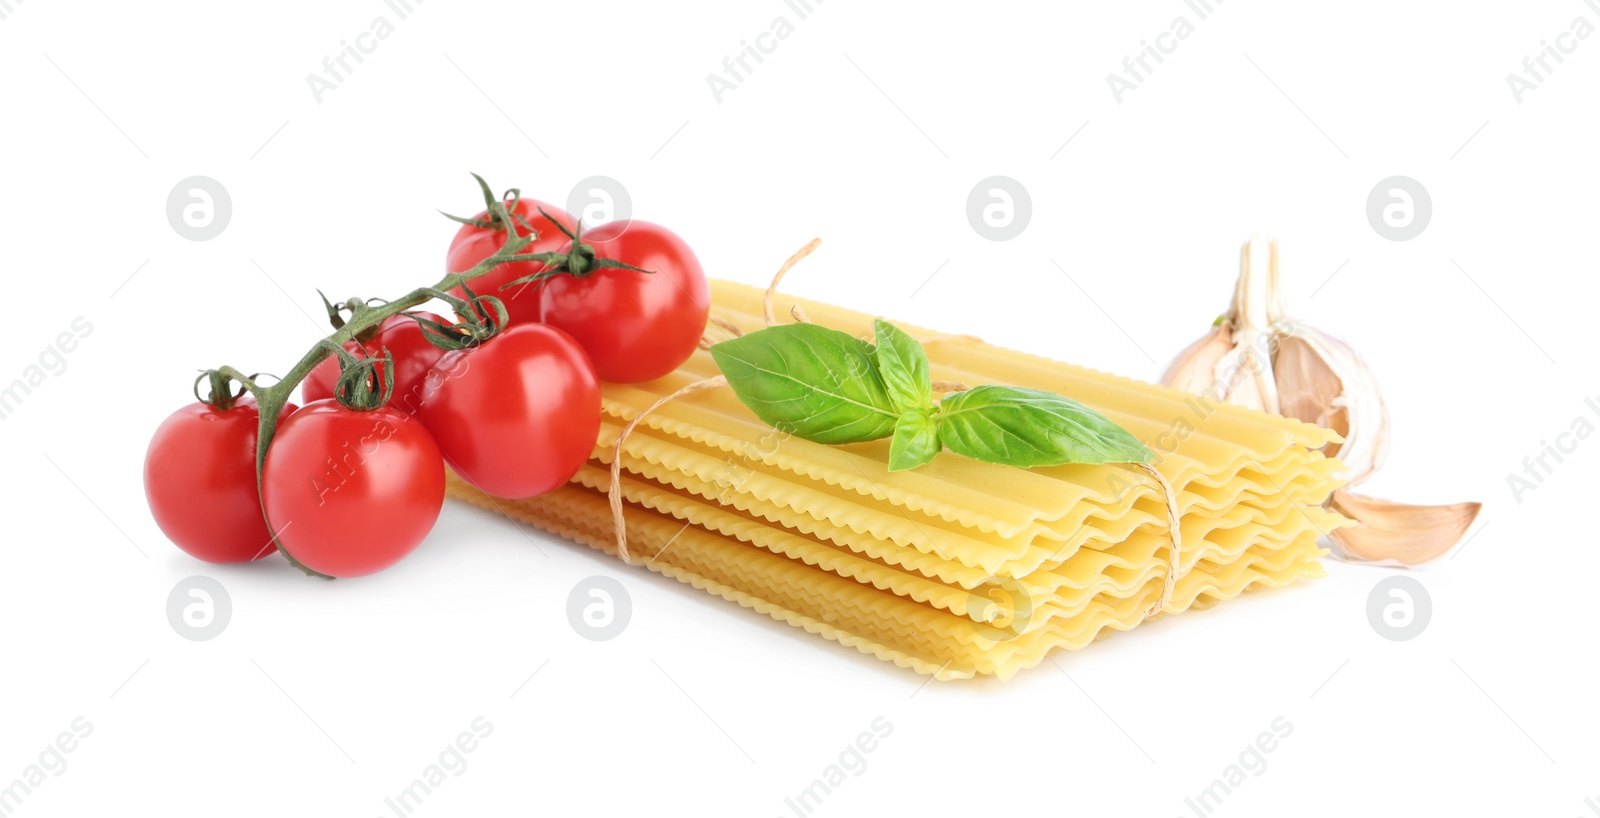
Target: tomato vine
{"x": 481, "y": 317}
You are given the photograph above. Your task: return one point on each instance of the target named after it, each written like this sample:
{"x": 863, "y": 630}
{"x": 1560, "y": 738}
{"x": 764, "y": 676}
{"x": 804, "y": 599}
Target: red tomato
{"x": 474, "y": 244}
{"x": 413, "y": 355}
{"x": 351, "y": 493}
{"x": 517, "y": 416}
{"x": 200, "y": 482}
{"x": 634, "y": 326}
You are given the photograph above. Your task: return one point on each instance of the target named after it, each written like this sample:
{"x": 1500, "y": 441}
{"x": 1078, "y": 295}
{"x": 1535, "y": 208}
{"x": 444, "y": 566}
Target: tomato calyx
{"x": 445, "y": 335}
{"x": 579, "y": 261}
{"x": 491, "y": 218}
{"x": 365, "y": 382}
{"x": 220, "y": 393}
{"x": 482, "y": 317}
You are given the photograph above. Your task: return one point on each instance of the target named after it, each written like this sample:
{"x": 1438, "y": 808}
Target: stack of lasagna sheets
{"x": 957, "y": 568}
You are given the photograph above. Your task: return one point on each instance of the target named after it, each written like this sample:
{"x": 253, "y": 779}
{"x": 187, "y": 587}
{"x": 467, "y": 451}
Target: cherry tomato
{"x": 351, "y": 493}
{"x": 634, "y": 326}
{"x": 517, "y": 416}
{"x": 474, "y": 244}
{"x": 200, "y": 482}
{"x": 413, "y": 355}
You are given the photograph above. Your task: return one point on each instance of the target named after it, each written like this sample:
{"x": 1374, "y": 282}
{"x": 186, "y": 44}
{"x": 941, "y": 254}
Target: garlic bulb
{"x": 1258, "y": 357}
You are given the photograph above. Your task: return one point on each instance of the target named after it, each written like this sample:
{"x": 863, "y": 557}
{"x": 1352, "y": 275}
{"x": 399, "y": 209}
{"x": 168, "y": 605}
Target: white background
{"x": 868, "y": 126}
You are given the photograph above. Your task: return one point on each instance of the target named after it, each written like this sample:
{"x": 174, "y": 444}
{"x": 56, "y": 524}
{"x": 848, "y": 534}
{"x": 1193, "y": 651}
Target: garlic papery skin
{"x": 1233, "y": 363}
{"x": 1258, "y": 357}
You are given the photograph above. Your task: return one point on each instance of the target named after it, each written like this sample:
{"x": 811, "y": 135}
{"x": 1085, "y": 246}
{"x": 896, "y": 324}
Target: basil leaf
{"x": 1029, "y": 427}
{"x": 809, "y": 381}
{"x": 915, "y": 441}
{"x": 904, "y": 367}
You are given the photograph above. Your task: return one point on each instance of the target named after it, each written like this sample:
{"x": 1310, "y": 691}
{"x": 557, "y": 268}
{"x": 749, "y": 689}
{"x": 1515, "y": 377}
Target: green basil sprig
{"x": 830, "y": 387}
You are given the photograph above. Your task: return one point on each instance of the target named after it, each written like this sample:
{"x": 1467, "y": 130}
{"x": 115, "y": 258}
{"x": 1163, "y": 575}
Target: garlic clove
{"x": 1357, "y": 412}
{"x": 1308, "y": 388}
{"x": 1386, "y": 530}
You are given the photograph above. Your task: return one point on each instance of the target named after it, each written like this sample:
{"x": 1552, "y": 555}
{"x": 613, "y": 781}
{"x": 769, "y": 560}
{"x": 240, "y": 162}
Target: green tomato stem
{"x": 272, "y": 399}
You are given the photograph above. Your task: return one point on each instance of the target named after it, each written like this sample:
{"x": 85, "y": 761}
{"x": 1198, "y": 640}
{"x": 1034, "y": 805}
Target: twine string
{"x": 772, "y": 289}
{"x": 614, "y": 491}
{"x": 732, "y": 329}
{"x": 1174, "y": 529}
